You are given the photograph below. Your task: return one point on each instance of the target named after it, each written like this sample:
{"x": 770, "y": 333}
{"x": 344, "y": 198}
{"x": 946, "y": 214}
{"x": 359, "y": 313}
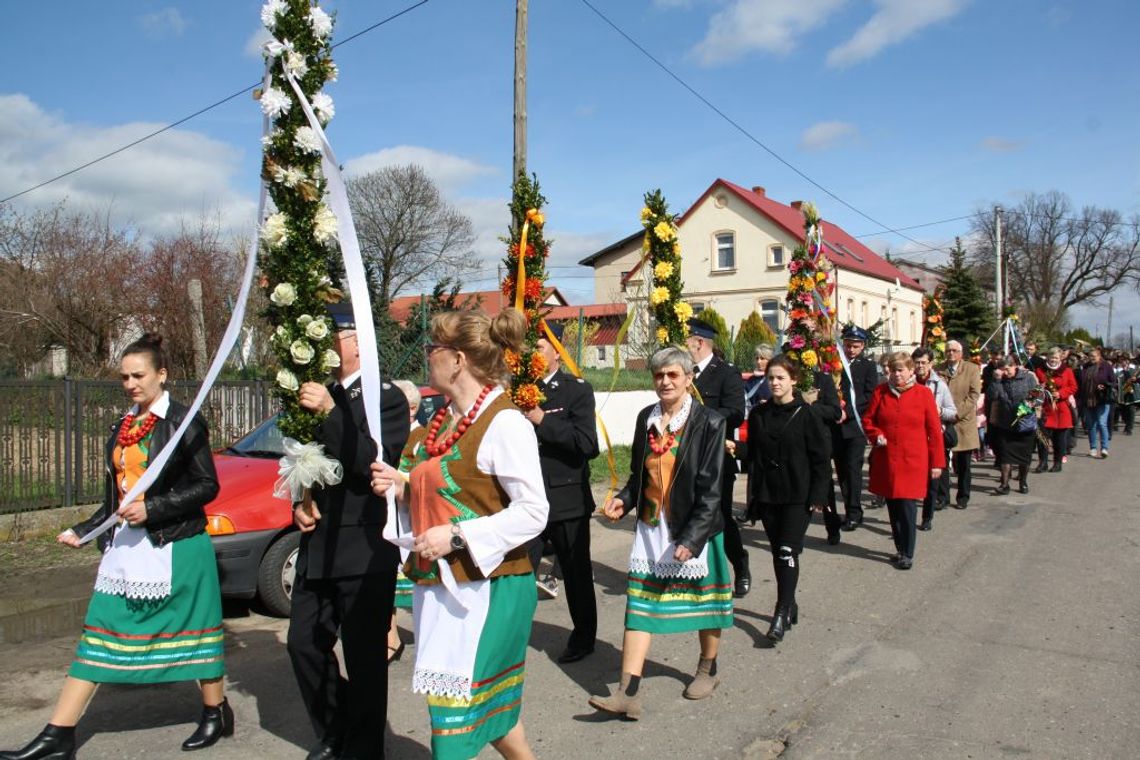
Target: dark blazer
{"x": 175, "y": 502}
{"x": 864, "y": 378}
{"x": 790, "y": 456}
{"x": 347, "y": 540}
{"x": 722, "y": 390}
{"x": 826, "y": 405}
{"x": 567, "y": 441}
{"x": 694, "y": 497}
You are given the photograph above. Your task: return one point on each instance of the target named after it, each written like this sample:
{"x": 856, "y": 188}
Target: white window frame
{"x": 775, "y": 311}
{"x": 783, "y": 262}
{"x": 716, "y": 267}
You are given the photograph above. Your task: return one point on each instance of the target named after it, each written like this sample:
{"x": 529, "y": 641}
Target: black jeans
{"x": 785, "y": 525}
{"x": 962, "y": 462}
{"x": 903, "y": 513}
{"x": 1059, "y": 437}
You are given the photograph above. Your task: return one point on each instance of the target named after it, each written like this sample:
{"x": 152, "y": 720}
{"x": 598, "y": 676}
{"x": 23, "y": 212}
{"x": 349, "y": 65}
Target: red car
{"x": 252, "y": 531}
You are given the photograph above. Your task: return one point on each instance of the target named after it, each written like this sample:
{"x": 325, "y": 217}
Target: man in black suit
{"x": 847, "y": 440}
{"x": 722, "y": 388}
{"x": 567, "y": 441}
{"x": 346, "y": 573}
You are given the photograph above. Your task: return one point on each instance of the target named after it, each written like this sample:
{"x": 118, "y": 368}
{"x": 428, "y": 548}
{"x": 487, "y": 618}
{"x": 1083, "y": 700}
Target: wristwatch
{"x": 457, "y": 541}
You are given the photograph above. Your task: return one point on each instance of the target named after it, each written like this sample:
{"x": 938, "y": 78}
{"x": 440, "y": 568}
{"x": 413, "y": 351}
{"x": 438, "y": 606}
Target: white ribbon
{"x": 303, "y": 466}
{"x": 229, "y": 339}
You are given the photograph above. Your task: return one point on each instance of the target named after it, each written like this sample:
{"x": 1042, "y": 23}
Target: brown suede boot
{"x": 622, "y": 702}
{"x": 704, "y": 682}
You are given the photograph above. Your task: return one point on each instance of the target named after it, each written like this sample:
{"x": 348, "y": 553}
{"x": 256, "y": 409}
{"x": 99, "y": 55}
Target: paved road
{"x": 1016, "y": 634}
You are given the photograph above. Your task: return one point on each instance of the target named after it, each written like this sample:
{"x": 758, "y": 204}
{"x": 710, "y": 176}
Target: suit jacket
{"x": 965, "y": 384}
{"x": 722, "y": 390}
{"x": 347, "y": 540}
{"x": 567, "y": 441}
{"x": 694, "y": 496}
{"x": 864, "y": 378}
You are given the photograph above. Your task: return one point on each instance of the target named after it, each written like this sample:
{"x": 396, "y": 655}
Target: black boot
{"x": 53, "y": 743}
{"x": 780, "y": 623}
{"x": 1042, "y": 466}
{"x": 215, "y": 723}
{"x": 1056, "y": 466}
{"x": 793, "y": 615}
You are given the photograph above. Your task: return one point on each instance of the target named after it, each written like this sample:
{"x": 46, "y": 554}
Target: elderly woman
{"x": 1012, "y": 421}
{"x": 679, "y": 577}
{"x": 790, "y": 474}
{"x": 1059, "y": 404}
{"x": 156, "y": 614}
{"x": 471, "y": 500}
{"x": 907, "y": 452}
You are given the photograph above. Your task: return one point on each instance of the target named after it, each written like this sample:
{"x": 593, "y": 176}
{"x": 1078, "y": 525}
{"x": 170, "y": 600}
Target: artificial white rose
{"x": 304, "y": 320}
{"x": 270, "y": 11}
{"x": 323, "y": 105}
{"x": 281, "y": 332}
{"x": 275, "y": 102}
{"x": 307, "y": 140}
{"x": 334, "y": 72}
{"x": 274, "y": 230}
{"x": 318, "y": 329}
{"x": 287, "y": 380}
{"x": 301, "y": 351}
{"x": 324, "y": 224}
{"x": 295, "y": 64}
{"x": 331, "y": 360}
{"x": 284, "y": 294}
{"x": 320, "y": 22}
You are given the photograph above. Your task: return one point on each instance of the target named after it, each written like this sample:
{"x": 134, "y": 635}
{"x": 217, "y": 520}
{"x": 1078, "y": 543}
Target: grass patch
{"x": 43, "y": 553}
{"x": 600, "y": 470}
{"x": 628, "y": 379}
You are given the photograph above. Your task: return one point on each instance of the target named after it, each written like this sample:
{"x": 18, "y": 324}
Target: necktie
{"x": 696, "y": 371}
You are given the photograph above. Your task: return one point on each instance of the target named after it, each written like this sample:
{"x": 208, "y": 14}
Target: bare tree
{"x": 1056, "y": 258}
{"x": 409, "y": 235}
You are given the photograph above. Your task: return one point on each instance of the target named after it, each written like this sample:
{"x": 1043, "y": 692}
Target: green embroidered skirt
{"x": 177, "y": 638}
{"x": 403, "y": 591}
{"x": 675, "y": 605}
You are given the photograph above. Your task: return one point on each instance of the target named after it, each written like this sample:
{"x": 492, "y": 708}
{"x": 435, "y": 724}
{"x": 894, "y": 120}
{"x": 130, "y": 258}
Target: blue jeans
{"x": 1096, "y": 422}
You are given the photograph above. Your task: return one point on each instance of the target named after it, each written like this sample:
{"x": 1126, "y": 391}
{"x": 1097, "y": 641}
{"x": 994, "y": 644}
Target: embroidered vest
{"x": 450, "y": 489}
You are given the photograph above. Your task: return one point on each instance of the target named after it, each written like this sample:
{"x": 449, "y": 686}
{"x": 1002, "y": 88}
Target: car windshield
{"x": 263, "y": 441}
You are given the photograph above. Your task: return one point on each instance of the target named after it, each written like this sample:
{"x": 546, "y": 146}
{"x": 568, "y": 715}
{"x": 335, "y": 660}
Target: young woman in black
{"x": 790, "y": 453}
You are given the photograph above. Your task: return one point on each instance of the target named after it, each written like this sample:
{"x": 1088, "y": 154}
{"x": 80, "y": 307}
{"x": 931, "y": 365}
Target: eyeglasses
{"x": 431, "y": 348}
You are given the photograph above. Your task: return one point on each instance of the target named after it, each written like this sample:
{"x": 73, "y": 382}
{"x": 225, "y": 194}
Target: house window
{"x": 850, "y": 309}
{"x": 865, "y": 314}
{"x": 776, "y": 256}
{"x": 895, "y": 323}
{"x": 770, "y": 313}
{"x": 698, "y": 307}
{"x": 725, "y": 251}
{"x": 601, "y": 353}
{"x": 622, "y": 280}
{"x": 913, "y": 328}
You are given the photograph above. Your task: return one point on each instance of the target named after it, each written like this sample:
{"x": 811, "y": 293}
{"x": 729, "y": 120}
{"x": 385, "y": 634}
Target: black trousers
{"x": 733, "y": 544}
{"x": 350, "y": 712}
{"x": 571, "y": 542}
{"x": 902, "y": 513}
{"x": 938, "y": 492}
{"x": 962, "y": 463}
{"x": 848, "y": 455}
{"x": 1125, "y": 413}
{"x": 1059, "y": 438}
{"x": 785, "y": 525}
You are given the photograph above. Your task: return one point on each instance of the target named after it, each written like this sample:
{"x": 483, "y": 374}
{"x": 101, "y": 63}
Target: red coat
{"x": 909, "y": 422}
{"x": 1059, "y": 415}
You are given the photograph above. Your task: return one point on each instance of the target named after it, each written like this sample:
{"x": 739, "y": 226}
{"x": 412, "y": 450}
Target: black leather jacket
{"x": 694, "y": 496}
{"x": 175, "y": 502}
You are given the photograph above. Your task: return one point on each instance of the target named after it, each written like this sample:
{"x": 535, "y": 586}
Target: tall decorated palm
{"x": 933, "y": 327}
{"x": 662, "y": 250}
{"x": 810, "y": 340}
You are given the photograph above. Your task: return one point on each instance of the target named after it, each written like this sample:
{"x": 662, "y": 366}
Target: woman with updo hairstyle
{"x": 156, "y": 613}
{"x": 470, "y": 492}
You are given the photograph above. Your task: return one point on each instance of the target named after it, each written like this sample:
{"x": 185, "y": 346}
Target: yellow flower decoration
{"x": 662, "y": 335}
{"x": 820, "y": 276}
{"x": 809, "y": 358}
{"x": 663, "y": 270}
{"x": 665, "y": 232}
{"x": 645, "y": 214}
{"x": 535, "y": 217}
{"x": 658, "y": 295}
{"x": 676, "y": 247}
{"x": 683, "y": 311}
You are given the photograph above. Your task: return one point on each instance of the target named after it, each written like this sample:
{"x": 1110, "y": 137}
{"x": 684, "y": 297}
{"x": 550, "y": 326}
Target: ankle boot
{"x": 780, "y": 623}
{"x": 793, "y": 615}
{"x": 704, "y": 682}
{"x": 53, "y": 743}
{"x": 1056, "y": 466}
{"x": 215, "y": 723}
{"x": 621, "y": 703}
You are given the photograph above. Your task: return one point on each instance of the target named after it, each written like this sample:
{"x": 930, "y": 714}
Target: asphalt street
{"x": 1017, "y": 634}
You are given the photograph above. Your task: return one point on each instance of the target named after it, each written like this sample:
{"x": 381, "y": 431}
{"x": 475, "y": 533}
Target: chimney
{"x": 759, "y": 190}
{"x": 797, "y": 205}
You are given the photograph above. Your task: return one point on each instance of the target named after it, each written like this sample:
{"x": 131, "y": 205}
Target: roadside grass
{"x": 627, "y": 380}
{"x": 30, "y": 555}
{"x": 600, "y": 469}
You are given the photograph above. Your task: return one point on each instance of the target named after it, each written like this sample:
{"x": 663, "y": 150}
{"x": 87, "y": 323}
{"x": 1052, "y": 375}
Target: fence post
{"x": 68, "y": 426}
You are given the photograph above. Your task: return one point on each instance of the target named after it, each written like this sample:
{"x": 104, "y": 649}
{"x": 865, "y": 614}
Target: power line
{"x": 738, "y": 126}
{"x": 197, "y": 113}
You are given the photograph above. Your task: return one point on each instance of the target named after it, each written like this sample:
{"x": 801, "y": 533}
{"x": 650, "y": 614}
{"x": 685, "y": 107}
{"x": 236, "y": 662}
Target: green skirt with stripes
{"x": 460, "y": 728}
{"x": 675, "y": 605}
{"x": 403, "y": 591}
{"x": 177, "y": 638}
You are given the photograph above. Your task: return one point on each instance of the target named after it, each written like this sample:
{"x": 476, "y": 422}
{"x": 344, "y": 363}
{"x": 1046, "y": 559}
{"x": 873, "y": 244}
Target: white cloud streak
{"x": 770, "y": 26}
{"x": 447, "y": 170}
{"x": 163, "y": 23}
{"x": 893, "y": 22}
{"x": 827, "y": 134}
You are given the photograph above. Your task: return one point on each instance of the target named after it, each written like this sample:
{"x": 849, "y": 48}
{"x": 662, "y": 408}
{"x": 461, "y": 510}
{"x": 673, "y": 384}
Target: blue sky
{"x": 910, "y": 110}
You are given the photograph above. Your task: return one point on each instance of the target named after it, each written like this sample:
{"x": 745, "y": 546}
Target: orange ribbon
{"x": 520, "y": 277}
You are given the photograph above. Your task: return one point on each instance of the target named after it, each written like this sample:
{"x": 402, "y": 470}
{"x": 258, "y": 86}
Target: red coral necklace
{"x": 433, "y": 449}
{"x": 660, "y": 446}
{"x": 128, "y": 437}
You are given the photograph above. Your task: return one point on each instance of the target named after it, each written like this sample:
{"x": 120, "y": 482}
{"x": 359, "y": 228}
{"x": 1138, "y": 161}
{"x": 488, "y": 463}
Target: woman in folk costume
{"x": 1059, "y": 407}
{"x": 471, "y": 501}
{"x": 679, "y": 577}
{"x": 404, "y": 585}
{"x": 156, "y": 614}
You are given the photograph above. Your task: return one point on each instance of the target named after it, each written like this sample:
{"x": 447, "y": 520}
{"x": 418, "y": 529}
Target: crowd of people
{"x": 451, "y": 519}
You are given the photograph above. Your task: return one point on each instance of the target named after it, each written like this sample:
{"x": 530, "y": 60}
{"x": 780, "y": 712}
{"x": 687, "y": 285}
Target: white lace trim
{"x": 132, "y": 589}
{"x": 440, "y": 684}
{"x": 678, "y": 420}
{"x": 694, "y": 568}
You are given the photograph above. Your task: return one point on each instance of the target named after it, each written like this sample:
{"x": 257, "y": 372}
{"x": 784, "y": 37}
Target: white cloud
{"x": 893, "y": 22}
{"x": 154, "y": 186}
{"x": 162, "y": 23}
{"x": 1002, "y": 145}
{"x": 827, "y": 134}
{"x": 256, "y": 41}
{"x": 771, "y": 26}
{"x": 447, "y": 170}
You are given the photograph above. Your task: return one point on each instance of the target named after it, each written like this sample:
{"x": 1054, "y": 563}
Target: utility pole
{"x": 999, "y": 290}
{"x": 519, "y": 166}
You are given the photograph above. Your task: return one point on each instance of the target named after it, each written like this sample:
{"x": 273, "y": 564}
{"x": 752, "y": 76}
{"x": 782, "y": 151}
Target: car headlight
{"x": 219, "y": 525}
